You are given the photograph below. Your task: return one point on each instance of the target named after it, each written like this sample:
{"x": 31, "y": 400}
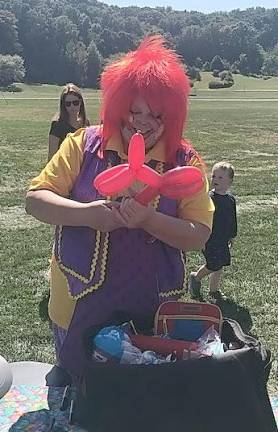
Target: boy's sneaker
{"x": 194, "y": 287}
{"x": 217, "y": 296}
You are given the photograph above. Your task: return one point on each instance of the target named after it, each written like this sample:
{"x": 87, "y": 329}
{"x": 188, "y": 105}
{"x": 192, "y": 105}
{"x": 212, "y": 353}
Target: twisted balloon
{"x": 176, "y": 183}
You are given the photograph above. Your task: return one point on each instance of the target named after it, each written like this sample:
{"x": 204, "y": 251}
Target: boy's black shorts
{"x": 217, "y": 256}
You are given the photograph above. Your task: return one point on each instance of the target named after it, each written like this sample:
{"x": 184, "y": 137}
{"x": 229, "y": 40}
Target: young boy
{"x": 224, "y": 230}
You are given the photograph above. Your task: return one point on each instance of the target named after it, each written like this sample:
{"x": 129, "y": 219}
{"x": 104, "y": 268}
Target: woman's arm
{"x": 53, "y": 209}
{"x": 53, "y": 146}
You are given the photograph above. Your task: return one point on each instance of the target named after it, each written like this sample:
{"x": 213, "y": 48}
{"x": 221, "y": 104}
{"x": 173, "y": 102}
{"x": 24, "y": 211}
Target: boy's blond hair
{"x": 226, "y": 166}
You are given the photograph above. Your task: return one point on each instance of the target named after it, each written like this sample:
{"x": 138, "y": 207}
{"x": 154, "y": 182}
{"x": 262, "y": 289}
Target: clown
{"x": 117, "y": 255}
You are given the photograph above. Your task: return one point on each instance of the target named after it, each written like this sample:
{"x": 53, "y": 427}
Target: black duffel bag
{"x": 225, "y": 393}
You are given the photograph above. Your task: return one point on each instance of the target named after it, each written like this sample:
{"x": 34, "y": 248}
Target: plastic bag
{"x": 210, "y": 343}
{"x": 112, "y": 344}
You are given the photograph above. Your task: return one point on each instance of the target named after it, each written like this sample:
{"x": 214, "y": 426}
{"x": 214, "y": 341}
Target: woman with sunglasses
{"x": 72, "y": 116}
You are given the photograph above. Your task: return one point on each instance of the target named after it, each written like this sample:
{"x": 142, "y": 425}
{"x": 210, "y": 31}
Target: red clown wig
{"x": 155, "y": 73}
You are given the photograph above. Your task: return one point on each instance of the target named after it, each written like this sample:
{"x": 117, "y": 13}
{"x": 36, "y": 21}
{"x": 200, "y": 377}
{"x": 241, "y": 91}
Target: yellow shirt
{"x": 59, "y": 176}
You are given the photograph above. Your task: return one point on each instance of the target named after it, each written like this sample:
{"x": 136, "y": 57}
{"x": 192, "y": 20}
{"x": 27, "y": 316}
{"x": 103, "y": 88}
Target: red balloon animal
{"x": 176, "y": 183}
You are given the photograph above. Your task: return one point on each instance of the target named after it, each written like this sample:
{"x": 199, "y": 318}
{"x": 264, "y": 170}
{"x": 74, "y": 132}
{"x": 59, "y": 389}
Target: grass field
{"x": 242, "y": 131}
{"x": 241, "y": 83}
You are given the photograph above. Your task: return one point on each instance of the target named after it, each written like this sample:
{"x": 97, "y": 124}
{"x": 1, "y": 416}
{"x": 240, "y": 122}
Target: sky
{"x": 205, "y": 6}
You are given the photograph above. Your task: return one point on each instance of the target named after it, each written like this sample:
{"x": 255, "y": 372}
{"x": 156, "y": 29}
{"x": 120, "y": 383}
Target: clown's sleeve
{"x": 61, "y": 171}
{"x": 198, "y": 207}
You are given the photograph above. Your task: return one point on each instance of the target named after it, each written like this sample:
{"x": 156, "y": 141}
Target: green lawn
{"x": 241, "y": 83}
{"x": 42, "y": 91}
{"x": 243, "y": 132}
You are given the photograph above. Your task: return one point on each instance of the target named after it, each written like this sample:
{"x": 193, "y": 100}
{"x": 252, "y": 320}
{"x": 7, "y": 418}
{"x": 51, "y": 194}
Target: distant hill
{"x": 66, "y": 40}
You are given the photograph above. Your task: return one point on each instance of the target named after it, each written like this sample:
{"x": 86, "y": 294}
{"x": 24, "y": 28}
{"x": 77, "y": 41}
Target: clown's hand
{"x": 109, "y": 221}
{"x": 133, "y": 214}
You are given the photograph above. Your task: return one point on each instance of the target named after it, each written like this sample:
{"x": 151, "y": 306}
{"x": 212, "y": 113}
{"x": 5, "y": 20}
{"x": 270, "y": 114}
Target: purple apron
{"x": 124, "y": 270}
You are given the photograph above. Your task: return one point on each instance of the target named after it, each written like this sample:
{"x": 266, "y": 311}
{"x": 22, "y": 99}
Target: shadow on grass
{"x": 44, "y": 300}
{"x": 241, "y": 314}
{"x": 43, "y": 308}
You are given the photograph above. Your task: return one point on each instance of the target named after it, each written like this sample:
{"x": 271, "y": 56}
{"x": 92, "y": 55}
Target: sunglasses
{"x": 74, "y": 102}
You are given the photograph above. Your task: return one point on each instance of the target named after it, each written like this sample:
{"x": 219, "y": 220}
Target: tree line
{"x": 58, "y": 41}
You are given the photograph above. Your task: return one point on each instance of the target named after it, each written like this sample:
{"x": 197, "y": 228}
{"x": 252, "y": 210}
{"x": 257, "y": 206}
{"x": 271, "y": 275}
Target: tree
{"x": 8, "y": 33}
{"x": 65, "y": 31}
{"x": 76, "y": 63}
{"x": 206, "y": 66}
{"x": 227, "y": 77}
{"x": 270, "y": 65}
{"x": 189, "y": 43}
{"x": 255, "y": 58}
{"x": 132, "y": 26}
{"x": 107, "y": 43}
{"x": 40, "y": 49}
{"x": 94, "y": 62}
{"x": 172, "y": 24}
{"x": 243, "y": 66}
{"x": 44, "y": 32}
{"x": 217, "y": 63}
{"x": 124, "y": 42}
{"x": 198, "y": 63}
{"x": 194, "y": 73}
{"x": 11, "y": 69}
{"x": 85, "y": 28}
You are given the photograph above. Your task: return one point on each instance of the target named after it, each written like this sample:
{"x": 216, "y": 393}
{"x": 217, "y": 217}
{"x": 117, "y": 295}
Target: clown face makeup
{"x": 142, "y": 119}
